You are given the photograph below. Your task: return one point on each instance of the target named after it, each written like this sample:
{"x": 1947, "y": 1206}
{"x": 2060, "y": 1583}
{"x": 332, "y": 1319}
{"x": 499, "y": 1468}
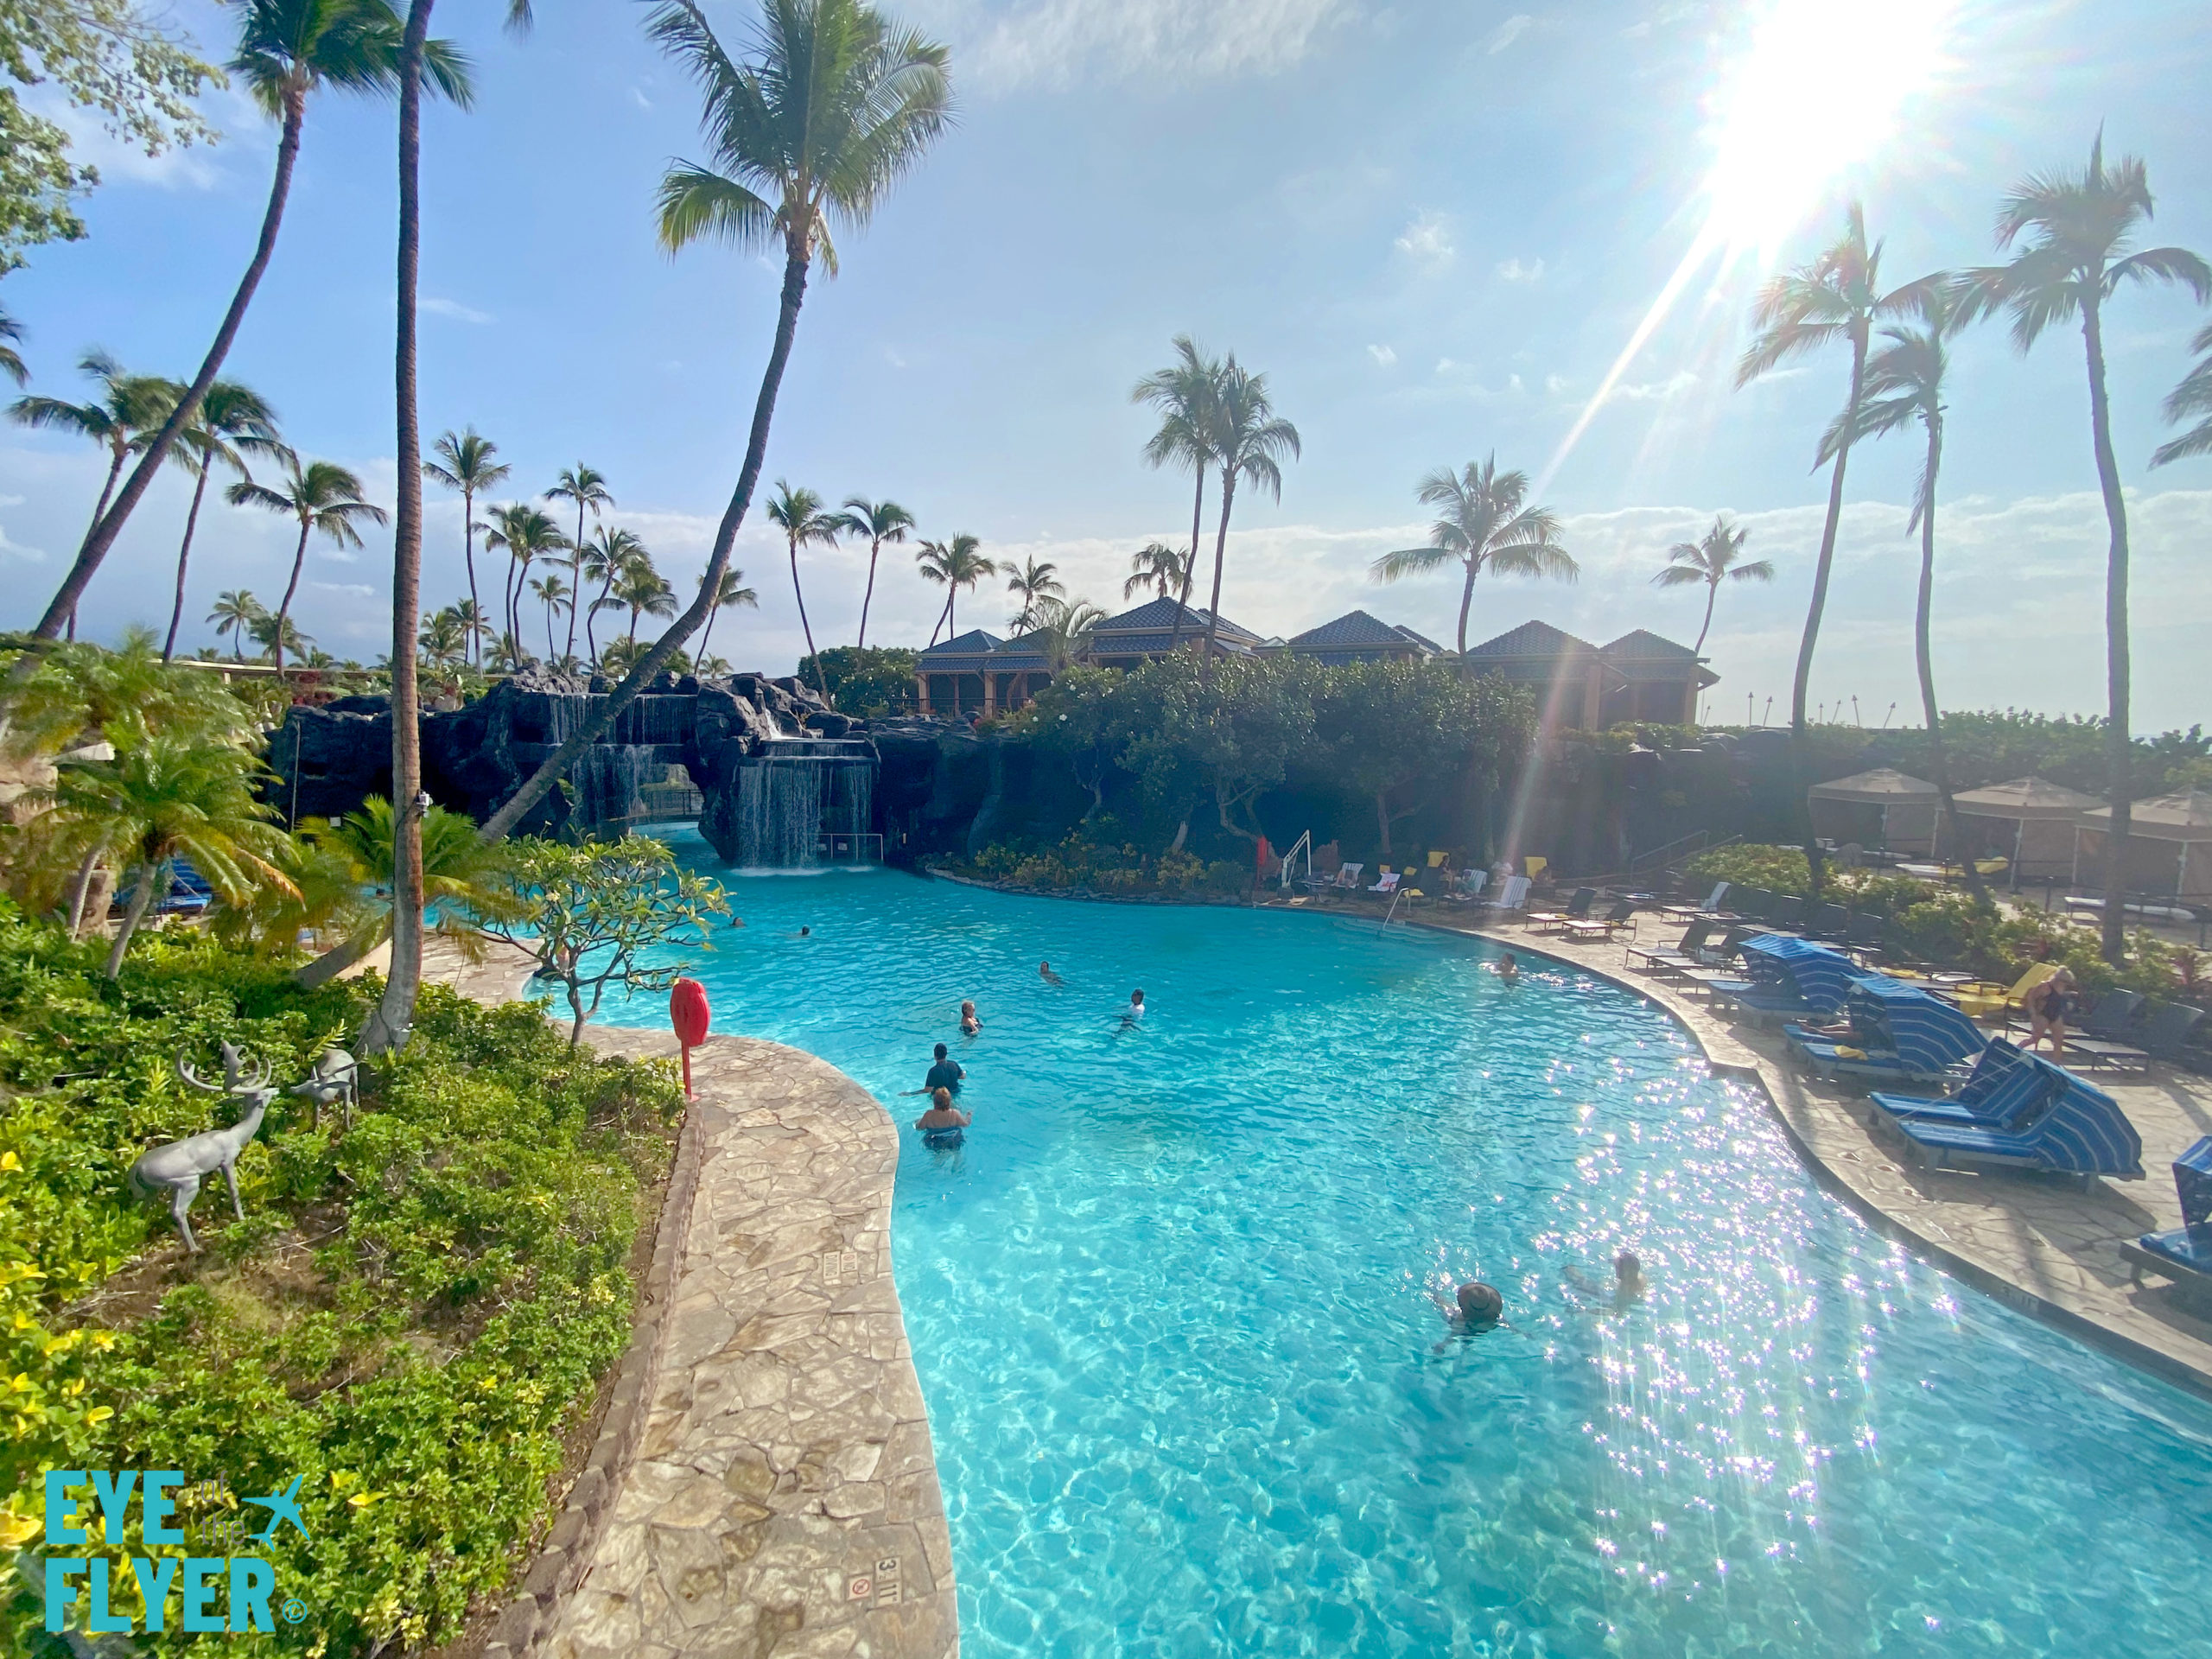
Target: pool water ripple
{"x": 1171, "y": 1307}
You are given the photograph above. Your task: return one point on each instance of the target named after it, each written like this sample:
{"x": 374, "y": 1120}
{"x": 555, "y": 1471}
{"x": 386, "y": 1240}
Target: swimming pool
{"x": 1170, "y": 1308}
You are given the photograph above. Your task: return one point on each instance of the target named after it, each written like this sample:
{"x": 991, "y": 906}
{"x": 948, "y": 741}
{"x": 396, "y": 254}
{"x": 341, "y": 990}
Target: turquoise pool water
{"x": 1171, "y": 1309}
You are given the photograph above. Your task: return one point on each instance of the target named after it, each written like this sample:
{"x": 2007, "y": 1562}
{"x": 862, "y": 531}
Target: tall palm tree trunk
{"x": 1801, "y": 686}
{"x": 1711, "y": 592}
{"x": 806, "y": 627}
{"x": 875, "y": 547}
{"x": 1938, "y": 766}
{"x": 575, "y": 585}
{"x": 943, "y": 613}
{"x": 2119, "y": 749}
{"x": 1191, "y": 564}
{"x": 550, "y": 612}
{"x": 395, "y": 1015}
{"x": 476, "y": 648}
{"x": 795, "y": 258}
{"x": 183, "y": 556}
{"x": 79, "y": 891}
{"x": 1220, "y": 548}
{"x": 101, "y": 537}
{"x": 284, "y": 610}
{"x": 1466, "y": 604}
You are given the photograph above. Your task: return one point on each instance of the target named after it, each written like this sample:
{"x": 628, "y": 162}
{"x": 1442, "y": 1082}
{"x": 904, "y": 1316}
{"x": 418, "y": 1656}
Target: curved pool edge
{"x": 1834, "y": 1147}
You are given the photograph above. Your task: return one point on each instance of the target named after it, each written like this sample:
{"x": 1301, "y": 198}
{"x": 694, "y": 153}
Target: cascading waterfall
{"x": 604, "y": 782}
{"x": 795, "y": 795}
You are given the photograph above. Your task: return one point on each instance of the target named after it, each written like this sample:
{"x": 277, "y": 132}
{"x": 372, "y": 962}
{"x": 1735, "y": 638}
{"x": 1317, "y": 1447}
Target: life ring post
{"x": 688, "y": 1013}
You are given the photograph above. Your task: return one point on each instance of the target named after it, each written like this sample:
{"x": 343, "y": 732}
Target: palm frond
{"x": 1410, "y": 561}
{"x": 694, "y": 201}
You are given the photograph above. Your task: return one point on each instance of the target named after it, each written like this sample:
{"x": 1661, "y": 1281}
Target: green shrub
{"x": 1781, "y": 869}
{"x": 411, "y": 1319}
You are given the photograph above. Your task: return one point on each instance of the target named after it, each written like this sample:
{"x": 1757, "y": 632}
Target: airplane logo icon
{"x": 282, "y": 1507}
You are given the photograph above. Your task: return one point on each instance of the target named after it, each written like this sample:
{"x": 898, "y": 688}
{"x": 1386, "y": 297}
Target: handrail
{"x": 1698, "y": 841}
{"x": 1304, "y": 843}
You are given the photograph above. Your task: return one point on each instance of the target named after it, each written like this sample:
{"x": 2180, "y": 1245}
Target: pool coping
{"x": 1727, "y": 1056}
{"x": 765, "y": 1470}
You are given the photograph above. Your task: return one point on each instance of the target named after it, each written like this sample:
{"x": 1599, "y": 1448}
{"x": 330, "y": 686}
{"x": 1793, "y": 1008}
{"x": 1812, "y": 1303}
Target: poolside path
{"x": 2044, "y": 1246}
{"x": 783, "y": 1496}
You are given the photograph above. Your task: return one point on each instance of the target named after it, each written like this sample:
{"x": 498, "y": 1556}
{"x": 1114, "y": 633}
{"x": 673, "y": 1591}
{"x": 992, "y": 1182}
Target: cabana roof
{"x": 1883, "y": 786}
{"x": 2024, "y": 798}
{"x": 2186, "y": 817}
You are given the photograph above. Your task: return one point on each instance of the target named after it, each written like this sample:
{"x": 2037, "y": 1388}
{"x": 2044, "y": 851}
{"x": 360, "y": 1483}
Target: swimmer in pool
{"x": 1044, "y": 972}
{"x": 1134, "y": 1014}
{"x": 948, "y": 1074}
{"x": 1508, "y": 970}
{"x": 1628, "y": 1281}
{"x": 970, "y": 1025}
{"x": 1475, "y": 1310}
{"x": 942, "y": 1124}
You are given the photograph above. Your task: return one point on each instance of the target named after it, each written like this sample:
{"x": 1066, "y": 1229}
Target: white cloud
{"x": 12, "y": 549}
{"x": 1057, "y": 42}
{"x": 1554, "y": 383}
{"x": 1428, "y": 241}
{"x": 892, "y": 357}
{"x": 456, "y": 309}
{"x": 1507, "y": 32}
{"x": 641, "y": 101}
{"x": 1383, "y": 356}
{"x": 351, "y": 589}
{"x": 1646, "y": 392}
{"x": 1513, "y": 270}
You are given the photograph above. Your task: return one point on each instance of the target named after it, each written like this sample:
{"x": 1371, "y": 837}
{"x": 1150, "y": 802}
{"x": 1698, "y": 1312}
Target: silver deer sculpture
{"x": 178, "y": 1167}
{"x": 332, "y": 1079}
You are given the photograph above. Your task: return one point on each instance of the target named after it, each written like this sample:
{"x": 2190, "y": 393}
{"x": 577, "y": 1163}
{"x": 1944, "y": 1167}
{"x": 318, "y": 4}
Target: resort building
{"x": 1359, "y": 637}
{"x": 1638, "y": 677}
{"x": 978, "y": 672}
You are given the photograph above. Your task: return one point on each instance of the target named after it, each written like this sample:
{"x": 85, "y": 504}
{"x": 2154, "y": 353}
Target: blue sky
{"x": 1434, "y": 226}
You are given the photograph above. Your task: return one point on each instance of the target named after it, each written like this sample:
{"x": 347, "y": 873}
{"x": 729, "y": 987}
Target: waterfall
{"x": 603, "y": 784}
{"x": 787, "y": 802}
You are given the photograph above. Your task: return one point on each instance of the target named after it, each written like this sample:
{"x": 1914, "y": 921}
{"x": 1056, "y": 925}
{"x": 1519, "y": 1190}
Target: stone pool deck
{"x": 2042, "y": 1245}
{"x": 782, "y": 1498}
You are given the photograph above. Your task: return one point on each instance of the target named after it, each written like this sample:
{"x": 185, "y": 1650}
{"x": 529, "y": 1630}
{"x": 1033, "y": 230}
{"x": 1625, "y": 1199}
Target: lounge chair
{"x": 1677, "y": 957}
{"x": 1467, "y": 885}
{"x": 2112, "y": 1021}
{"x": 1754, "y": 904}
{"x": 1788, "y": 979}
{"x": 1788, "y": 912}
{"x": 2002, "y": 1092}
{"x": 1923, "y": 1040}
{"x": 188, "y": 894}
{"x": 1346, "y": 880}
{"x": 1831, "y": 922}
{"x": 2163, "y": 1036}
{"x": 1710, "y": 910}
{"x": 1389, "y": 884}
{"x": 1600, "y": 929}
{"x": 2183, "y": 1255}
{"x": 1553, "y": 921}
{"x": 1986, "y": 1000}
{"x": 1511, "y": 896}
{"x": 2072, "y": 1128}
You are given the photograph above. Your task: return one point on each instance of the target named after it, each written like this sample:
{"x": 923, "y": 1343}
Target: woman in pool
{"x": 1508, "y": 970}
{"x": 942, "y": 1124}
{"x": 970, "y": 1025}
{"x": 1628, "y": 1281}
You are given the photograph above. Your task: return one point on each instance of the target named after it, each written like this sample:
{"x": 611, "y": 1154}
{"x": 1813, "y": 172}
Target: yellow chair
{"x": 1986, "y": 1004}
{"x": 1537, "y": 866}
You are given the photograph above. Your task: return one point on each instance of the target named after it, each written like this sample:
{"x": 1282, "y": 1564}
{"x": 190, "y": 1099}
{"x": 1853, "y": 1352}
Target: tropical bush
{"x": 873, "y": 682}
{"x": 410, "y": 1318}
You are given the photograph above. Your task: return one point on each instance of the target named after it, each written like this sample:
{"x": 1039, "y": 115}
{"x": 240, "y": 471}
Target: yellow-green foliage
{"x": 410, "y": 1317}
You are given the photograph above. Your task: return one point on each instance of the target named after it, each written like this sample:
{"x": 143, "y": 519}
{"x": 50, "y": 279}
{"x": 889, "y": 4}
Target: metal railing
{"x": 1683, "y": 847}
{"x": 850, "y": 850}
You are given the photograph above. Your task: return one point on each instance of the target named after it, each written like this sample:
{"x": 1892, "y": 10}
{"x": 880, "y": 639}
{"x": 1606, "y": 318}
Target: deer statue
{"x": 179, "y": 1165}
{"x": 332, "y": 1079}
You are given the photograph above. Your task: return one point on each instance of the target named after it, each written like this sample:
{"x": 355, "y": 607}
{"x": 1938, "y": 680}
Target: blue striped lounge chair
{"x": 1788, "y": 979}
{"x": 2183, "y": 1255}
{"x": 1930, "y": 1040}
{"x": 2069, "y": 1128}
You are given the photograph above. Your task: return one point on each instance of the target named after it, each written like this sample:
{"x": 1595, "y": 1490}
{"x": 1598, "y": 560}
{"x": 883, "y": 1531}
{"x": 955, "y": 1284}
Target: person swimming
{"x": 970, "y": 1025}
{"x": 1134, "y": 1014}
{"x": 1508, "y": 970}
{"x": 948, "y": 1074}
{"x": 1474, "y": 1310}
{"x": 944, "y": 1124}
{"x": 1044, "y": 972}
{"x": 1629, "y": 1285}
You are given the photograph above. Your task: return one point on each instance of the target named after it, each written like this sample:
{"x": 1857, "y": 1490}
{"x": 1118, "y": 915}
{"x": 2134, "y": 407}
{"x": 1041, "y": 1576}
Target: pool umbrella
{"x": 1907, "y": 806}
{"x": 2181, "y": 821}
{"x": 2042, "y": 815}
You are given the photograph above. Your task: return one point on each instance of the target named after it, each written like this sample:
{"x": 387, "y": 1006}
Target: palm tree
{"x": 1836, "y": 298}
{"x": 524, "y": 533}
{"x": 11, "y": 360}
{"x": 958, "y": 563}
{"x": 1036, "y": 582}
{"x": 233, "y": 423}
{"x": 1063, "y": 629}
{"x": 459, "y": 875}
{"x": 602, "y": 563}
{"x": 474, "y": 628}
{"x": 586, "y": 487}
{"x": 1904, "y": 385}
{"x": 1249, "y": 440}
{"x": 557, "y": 596}
{"x": 277, "y": 634}
{"x": 395, "y": 1014}
{"x": 1185, "y": 393}
{"x": 2192, "y": 397}
{"x": 160, "y": 798}
{"x": 236, "y": 611}
{"x": 288, "y": 49}
{"x": 445, "y": 637}
{"x": 830, "y": 107}
{"x": 1484, "y": 524}
{"x": 1714, "y": 557}
{"x": 1160, "y": 568}
{"x": 323, "y": 496}
{"x": 2080, "y": 226}
{"x": 735, "y": 591}
{"x": 880, "y": 522}
{"x": 129, "y": 406}
{"x": 465, "y": 463}
{"x": 804, "y": 522}
{"x": 642, "y": 590}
